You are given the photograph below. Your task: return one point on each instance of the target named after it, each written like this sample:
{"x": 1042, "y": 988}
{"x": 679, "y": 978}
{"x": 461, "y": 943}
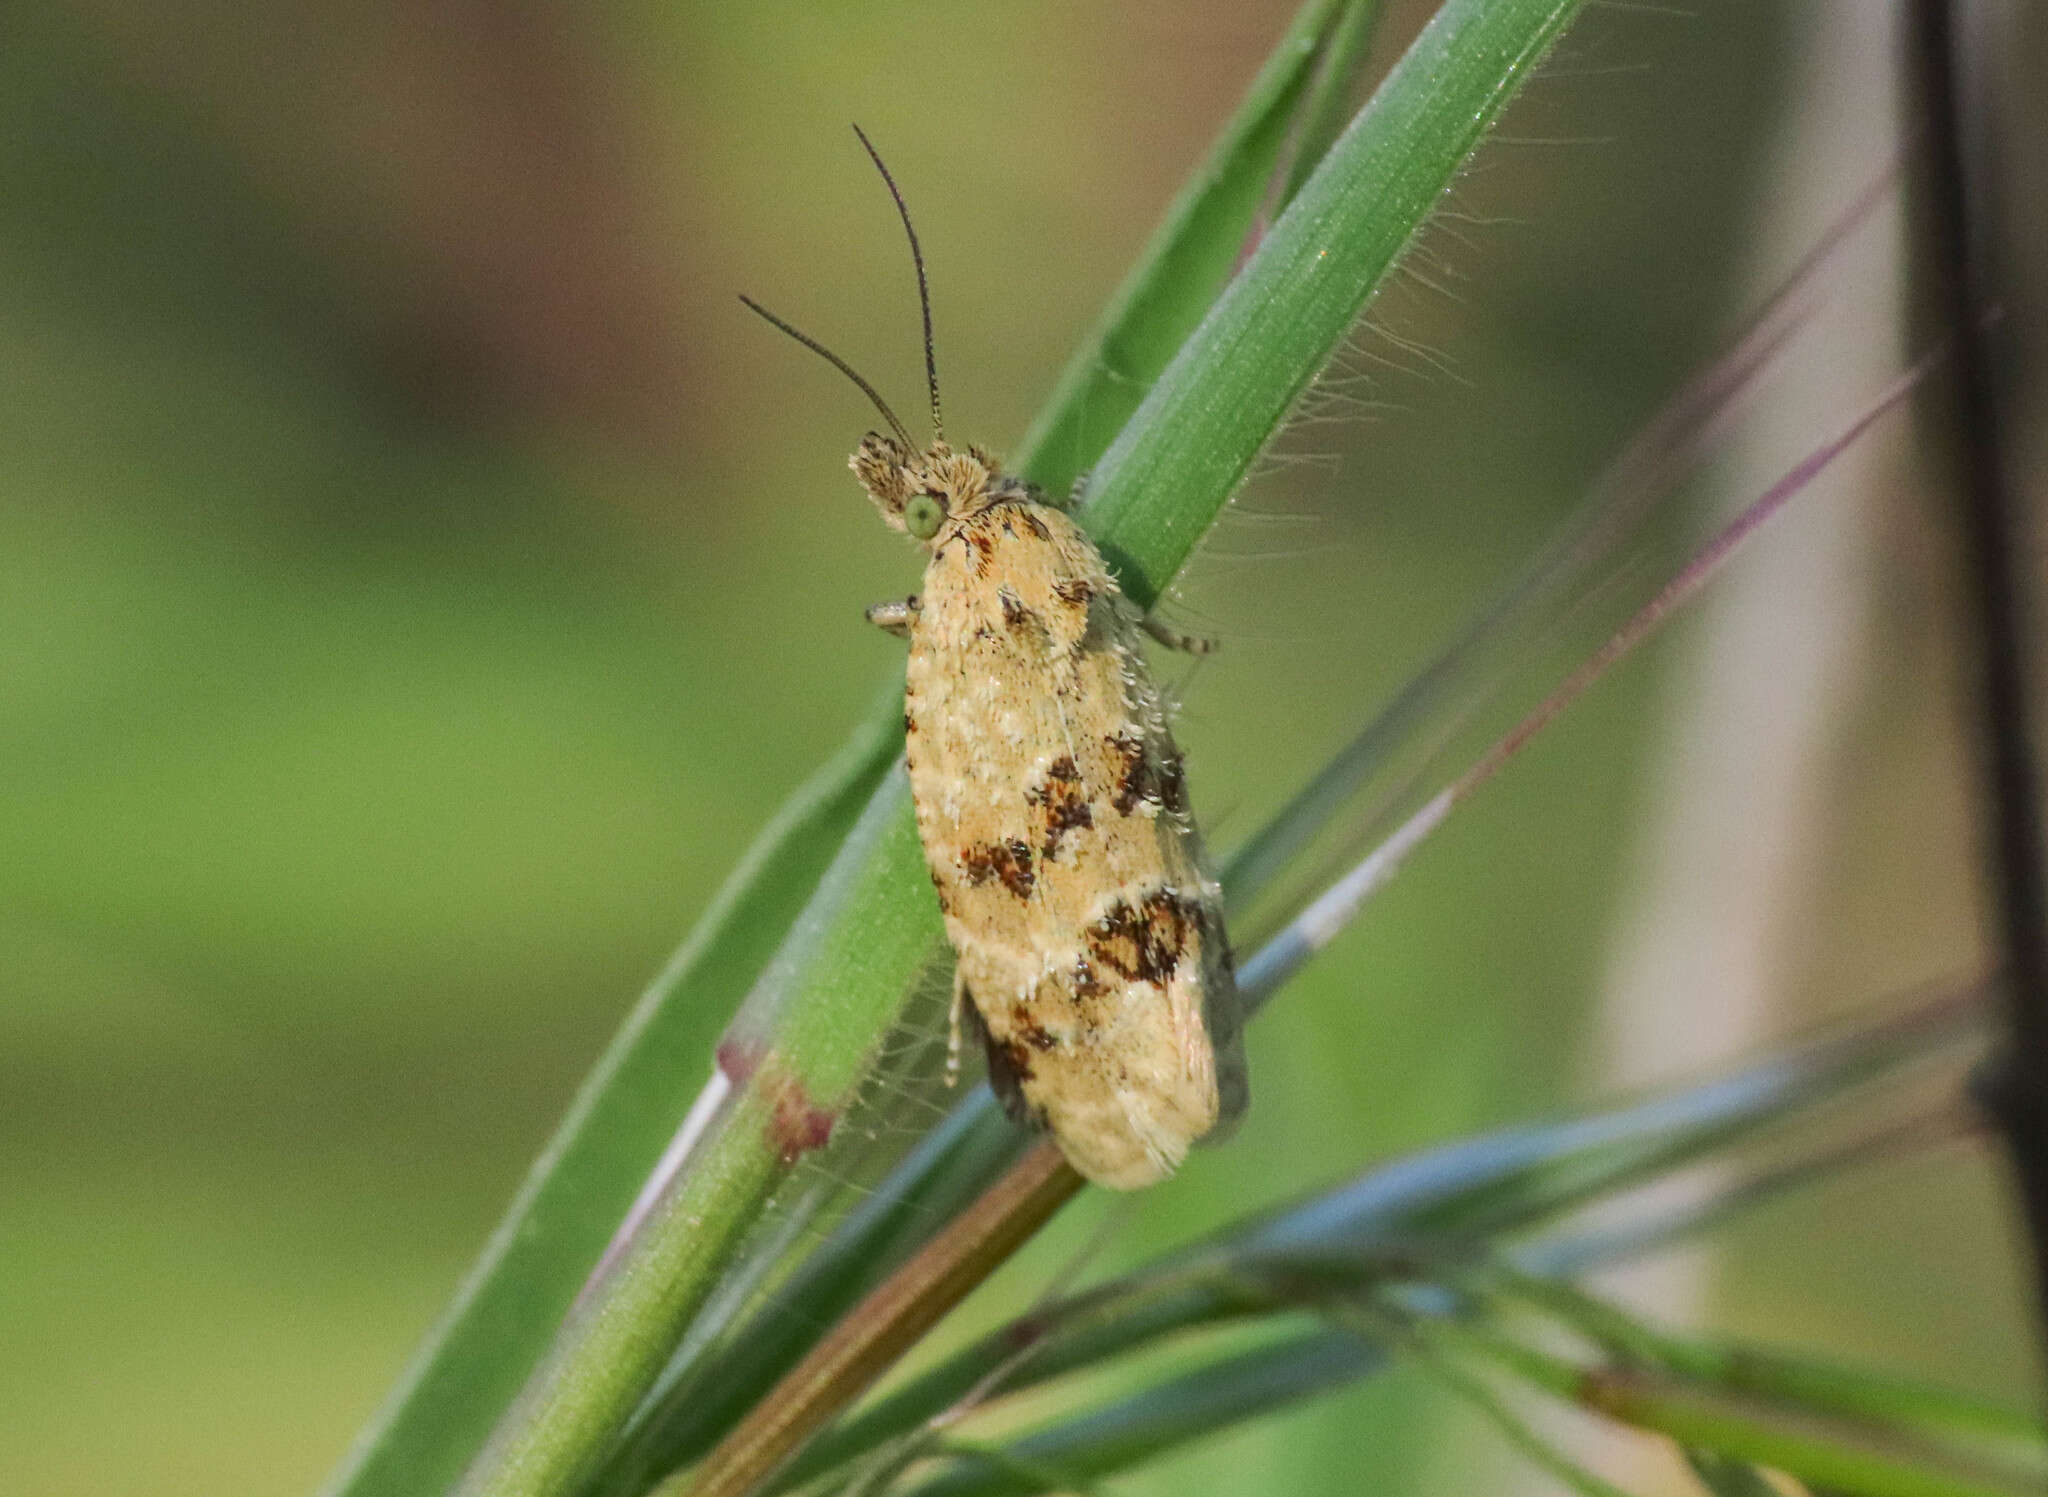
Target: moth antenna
{"x": 837, "y": 363}
{"x": 924, "y": 294}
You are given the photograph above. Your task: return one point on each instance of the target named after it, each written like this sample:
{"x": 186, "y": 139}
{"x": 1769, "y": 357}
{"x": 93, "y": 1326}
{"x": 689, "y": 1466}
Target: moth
{"x": 1092, "y": 961}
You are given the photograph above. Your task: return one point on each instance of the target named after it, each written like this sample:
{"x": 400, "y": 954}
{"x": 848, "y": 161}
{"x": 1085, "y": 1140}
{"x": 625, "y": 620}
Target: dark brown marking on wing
{"x": 1005, "y": 1078}
{"x": 1129, "y": 750}
{"x": 1144, "y": 775}
{"x": 1030, "y": 1032}
{"x": 1076, "y": 592}
{"x": 1015, "y": 614}
{"x": 1066, "y": 805}
{"x": 1086, "y": 983}
{"x": 1009, "y": 861}
{"x": 1145, "y": 942}
{"x": 1017, "y": 1057}
{"x": 984, "y": 546}
{"x": 1172, "y": 776}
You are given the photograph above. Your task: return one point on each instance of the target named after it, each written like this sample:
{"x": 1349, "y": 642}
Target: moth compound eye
{"x": 922, "y": 516}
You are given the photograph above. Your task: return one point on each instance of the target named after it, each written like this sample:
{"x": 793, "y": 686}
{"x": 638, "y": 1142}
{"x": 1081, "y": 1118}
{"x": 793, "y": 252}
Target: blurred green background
{"x": 419, "y": 578}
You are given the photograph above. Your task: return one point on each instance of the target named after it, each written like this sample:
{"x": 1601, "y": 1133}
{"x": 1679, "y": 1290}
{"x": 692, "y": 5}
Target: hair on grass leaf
{"x": 1644, "y": 8}
{"x": 1439, "y": 361}
{"x": 1552, "y": 140}
{"x": 1413, "y": 273}
{"x": 1271, "y": 464}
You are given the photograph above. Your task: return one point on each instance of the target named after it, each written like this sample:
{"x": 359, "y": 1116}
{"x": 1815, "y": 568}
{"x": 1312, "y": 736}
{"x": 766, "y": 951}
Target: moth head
{"x": 919, "y": 492}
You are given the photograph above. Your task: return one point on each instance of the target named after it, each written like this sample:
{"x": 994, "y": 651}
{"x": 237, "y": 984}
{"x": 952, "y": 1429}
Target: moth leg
{"x": 895, "y": 617}
{"x": 1003, "y": 1079}
{"x": 1173, "y": 639}
{"x": 1079, "y": 491}
{"x": 959, "y": 1007}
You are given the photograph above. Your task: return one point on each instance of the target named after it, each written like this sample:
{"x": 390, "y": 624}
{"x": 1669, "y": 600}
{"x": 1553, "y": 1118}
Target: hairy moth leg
{"x": 1173, "y": 639}
{"x": 894, "y": 617}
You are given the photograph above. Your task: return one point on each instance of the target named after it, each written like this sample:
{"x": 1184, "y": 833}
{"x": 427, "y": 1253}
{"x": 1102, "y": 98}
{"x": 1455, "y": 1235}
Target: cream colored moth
{"x": 1091, "y": 955}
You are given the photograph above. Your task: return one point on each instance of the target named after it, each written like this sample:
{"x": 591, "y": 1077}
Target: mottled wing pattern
{"x": 1054, "y": 814}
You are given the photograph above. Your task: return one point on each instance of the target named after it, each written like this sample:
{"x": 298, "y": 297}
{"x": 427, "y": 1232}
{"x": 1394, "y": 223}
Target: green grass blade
{"x": 1726, "y": 1478}
{"x": 694, "y": 1405}
{"x": 1170, "y": 1414}
{"x": 1189, "y": 257}
{"x": 1160, "y": 485}
{"x": 1830, "y": 1455}
{"x": 1472, "y": 1192}
{"x": 1328, "y": 107}
{"x": 1424, "y": 1345}
{"x": 505, "y": 1315}
{"x": 1457, "y": 1187}
{"x": 1520, "y": 1177}
{"x": 790, "y": 1062}
{"x": 1908, "y": 1412}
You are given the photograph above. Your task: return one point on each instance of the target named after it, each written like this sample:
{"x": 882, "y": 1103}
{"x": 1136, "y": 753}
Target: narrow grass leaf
{"x": 1908, "y": 1412}
{"x": 1832, "y": 1455}
{"x": 504, "y": 1316}
{"x": 1172, "y": 1413}
{"x": 697, "y": 1403}
{"x": 1729, "y": 1478}
{"x": 1473, "y": 1192}
{"x": 1190, "y": 256}
{"x": 1161, "y": 483}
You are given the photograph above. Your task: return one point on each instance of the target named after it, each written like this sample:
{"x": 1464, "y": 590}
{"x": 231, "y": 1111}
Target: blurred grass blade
{"x": 1331, "y": 911}
{"x": 1908, "y": 1413}
{"x": 1426, "y": 1345}
{"x": 1328, "y": 107}
{"x": 1726, "y": 1478}
{"x": 697, "y": 1402}
{"x": 1841, "y": 1456}
{"x": 1163, "y": 1417}
{"x": 1663, "y": 451}
{"x": 1190, "y": 256}
{"x": 1520, "y": 1177}
{"x": 1574, "y": 1248}
{"x": 505, "y": 1314}
{"x": 1474, "y": 1191}
{"x": 789, "y": 1065}
{"x": 1193, "y": 1405}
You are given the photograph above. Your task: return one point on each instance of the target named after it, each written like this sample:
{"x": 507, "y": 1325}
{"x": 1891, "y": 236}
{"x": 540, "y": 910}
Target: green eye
{"x": 922, "y": 515}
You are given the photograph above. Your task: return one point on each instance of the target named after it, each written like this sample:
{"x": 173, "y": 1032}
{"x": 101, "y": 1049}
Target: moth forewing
{"x": 1052, "y": 806}
{"x": 1054, "y": 815}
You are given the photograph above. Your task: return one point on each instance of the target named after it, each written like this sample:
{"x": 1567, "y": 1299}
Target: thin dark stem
{"x": 2016, "y": 1086}
{"x": 887, "y": 1323}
